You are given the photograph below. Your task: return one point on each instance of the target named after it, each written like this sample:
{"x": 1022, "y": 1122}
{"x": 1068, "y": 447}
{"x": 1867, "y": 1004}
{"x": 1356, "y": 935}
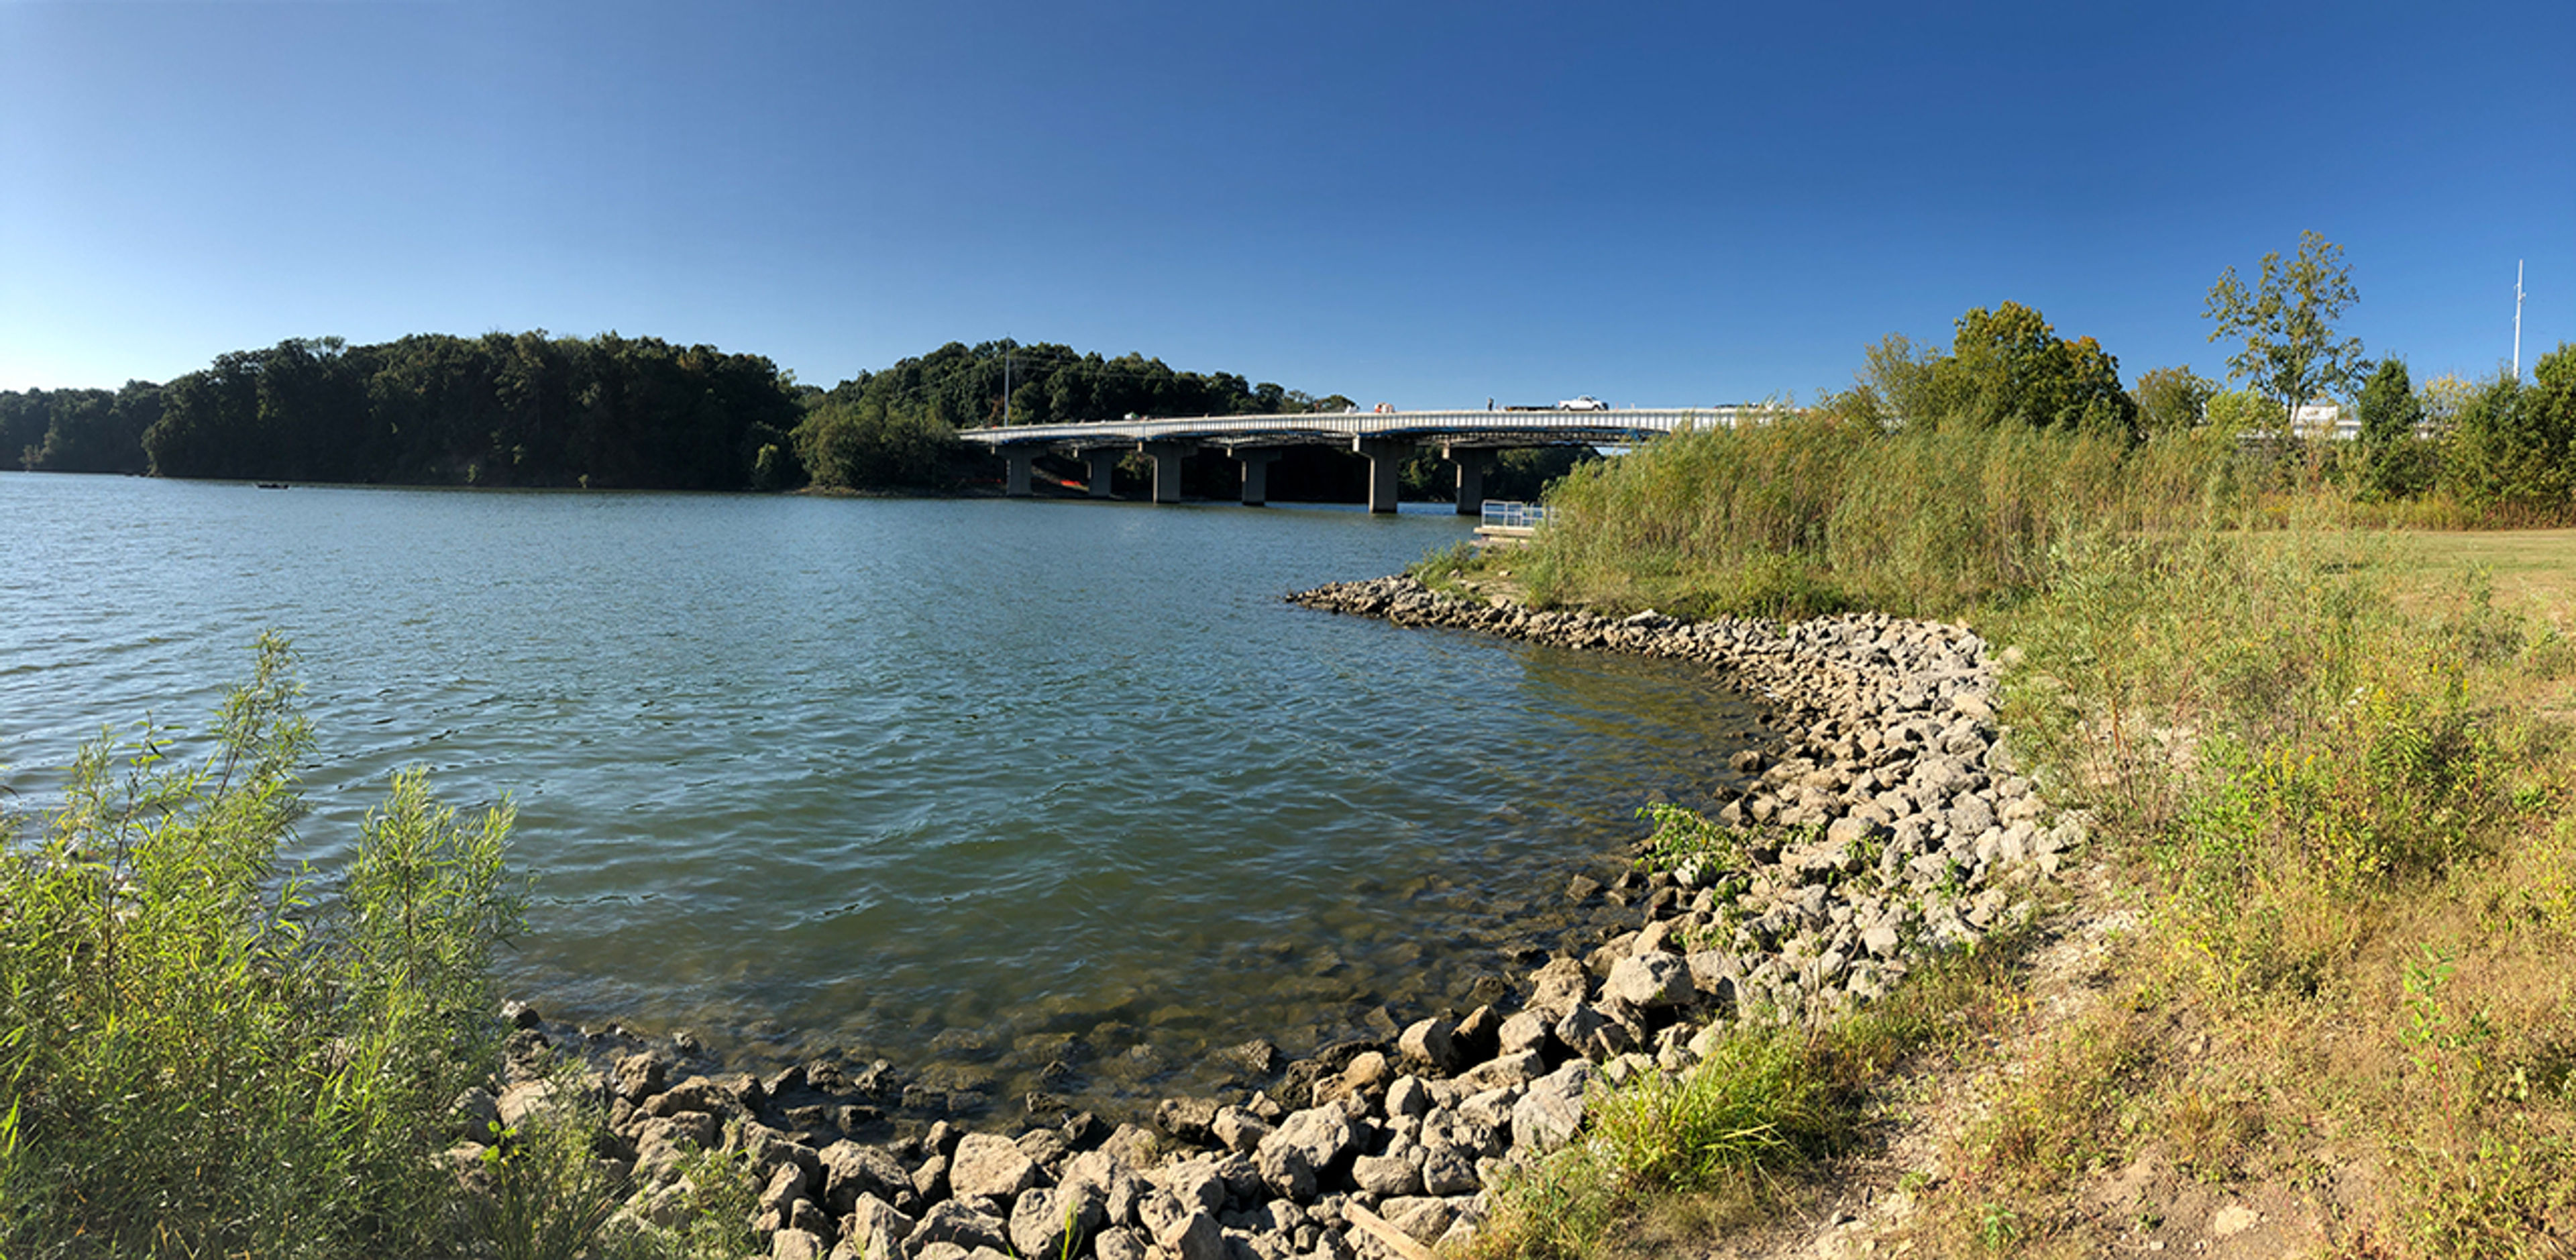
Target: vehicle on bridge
{"x": 1583, "y": 402}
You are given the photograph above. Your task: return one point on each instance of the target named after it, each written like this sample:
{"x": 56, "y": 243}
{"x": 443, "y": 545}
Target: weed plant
{"x": 210, "y": 1053}
{"x": 1665, "y": 1160}
{"x": 2323, "y": 774}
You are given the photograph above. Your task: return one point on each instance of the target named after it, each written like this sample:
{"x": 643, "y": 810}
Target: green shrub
{"x": 206, "y": 1052}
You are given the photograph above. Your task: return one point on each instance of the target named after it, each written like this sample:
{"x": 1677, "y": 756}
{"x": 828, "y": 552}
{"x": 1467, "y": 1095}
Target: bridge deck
{"x": 1454, "y": 428}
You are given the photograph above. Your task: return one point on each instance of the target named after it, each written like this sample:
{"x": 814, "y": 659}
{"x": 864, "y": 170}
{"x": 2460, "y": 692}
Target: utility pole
{"x": 1006, "y": 357}
{"x": 2517, "y": 321}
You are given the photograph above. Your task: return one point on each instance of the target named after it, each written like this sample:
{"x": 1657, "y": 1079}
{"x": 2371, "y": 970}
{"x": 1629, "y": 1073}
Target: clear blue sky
{"x": 1428, "y": 204}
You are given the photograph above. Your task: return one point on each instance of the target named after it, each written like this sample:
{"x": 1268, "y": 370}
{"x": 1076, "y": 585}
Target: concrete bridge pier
{"x": 1104, "y": 463}
{"x": 1386, "y": 462}
{"x": 1256, "y": 474}
{"x": 1167, "y": 457}
{"x": 1473, "y": 463}
{"x": 1015, "y": 484}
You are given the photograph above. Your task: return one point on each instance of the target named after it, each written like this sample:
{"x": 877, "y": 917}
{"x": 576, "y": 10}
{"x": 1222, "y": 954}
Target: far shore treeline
{"x": 528, "y": 409}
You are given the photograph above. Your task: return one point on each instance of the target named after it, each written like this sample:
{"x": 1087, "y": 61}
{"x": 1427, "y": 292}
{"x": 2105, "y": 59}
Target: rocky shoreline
{"x": 1892, "y": 824}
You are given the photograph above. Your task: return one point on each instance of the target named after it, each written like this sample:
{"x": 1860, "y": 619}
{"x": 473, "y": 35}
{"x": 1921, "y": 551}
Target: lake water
{"x": 1008, "y": 792}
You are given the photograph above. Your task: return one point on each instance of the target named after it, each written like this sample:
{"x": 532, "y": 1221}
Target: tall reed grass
{"x": 1812, "y": 514}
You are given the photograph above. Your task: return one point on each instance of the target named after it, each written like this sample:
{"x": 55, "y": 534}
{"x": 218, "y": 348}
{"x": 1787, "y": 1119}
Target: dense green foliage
{"x": 895, "y": 428}
{"x": 2172, "y": 400}
{"x": 524, "y": 410}
{"x": 2511, "y": 449}
{"x": 205, "y": 1052}
{"x": 2005, "y": 367}
{"x": 1045, "y": 383}
{"x": 79, "y": 430}
{"x": 2392, "y": 455}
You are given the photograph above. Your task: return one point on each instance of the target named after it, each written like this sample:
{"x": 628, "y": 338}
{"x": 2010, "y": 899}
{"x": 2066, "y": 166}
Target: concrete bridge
{"x": 1468, "y": 439}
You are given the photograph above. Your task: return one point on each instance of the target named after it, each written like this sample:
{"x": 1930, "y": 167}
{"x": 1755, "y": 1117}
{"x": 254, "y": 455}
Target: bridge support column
{"x": 1167, "y": 457}
{"x": 1104, "y": 463}
{"x": 1386, "y": 461}
{"x": 1473, "y": 464}
{"x": 1256, "y": 475}
{"x": 1016, "y": 483}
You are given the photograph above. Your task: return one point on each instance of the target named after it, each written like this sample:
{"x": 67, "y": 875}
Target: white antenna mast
{"x": 2517, "y": 319}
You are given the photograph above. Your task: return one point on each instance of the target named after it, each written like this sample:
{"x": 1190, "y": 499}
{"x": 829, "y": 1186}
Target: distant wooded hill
{"x": 528, "y": 409}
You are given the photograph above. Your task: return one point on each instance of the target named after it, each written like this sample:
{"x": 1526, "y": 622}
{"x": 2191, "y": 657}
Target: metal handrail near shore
{"x": 1506, "y": 514}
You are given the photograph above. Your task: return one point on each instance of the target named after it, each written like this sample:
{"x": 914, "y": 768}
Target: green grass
{"x": 1665, "y": 1160}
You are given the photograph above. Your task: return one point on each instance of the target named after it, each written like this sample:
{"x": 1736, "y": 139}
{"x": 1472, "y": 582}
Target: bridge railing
{"x": 1628, "y": 424}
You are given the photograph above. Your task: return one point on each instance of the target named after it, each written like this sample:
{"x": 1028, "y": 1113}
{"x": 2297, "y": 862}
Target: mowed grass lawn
{"x": 2534, "y": 569}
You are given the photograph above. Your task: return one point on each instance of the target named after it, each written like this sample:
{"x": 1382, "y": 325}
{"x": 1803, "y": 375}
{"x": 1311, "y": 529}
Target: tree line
{"x": 2451, "y": 450}
{"x": 528, "y": 409}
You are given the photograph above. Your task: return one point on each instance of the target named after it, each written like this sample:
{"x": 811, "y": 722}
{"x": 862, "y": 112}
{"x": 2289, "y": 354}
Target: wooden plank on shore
{"x": 1396, "y": 1240}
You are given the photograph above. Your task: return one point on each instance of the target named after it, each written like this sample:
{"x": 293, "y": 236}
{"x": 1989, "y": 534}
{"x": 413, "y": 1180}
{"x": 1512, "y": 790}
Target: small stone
{"x": 875, "y": 1229}
{"x": 1187, "y": 1119}
{"x": 1196, "y": 1237}
{"x": 1056, "y": 1222}
{"x": 520, "y": 1101}
{"x": 1881, "y": 940}
{"x": 1448, "y": 1170}
{"x": 1525, "y": 1030}
{"x": 1408, "y": 1096}
{"x": 1432, "y": 1042}
{"x": 1391, "y": 1174}
{"x": 1504, "y": 1070}
{"x": 1238, "y": 1129}
{"x": 1366, "y": 1073}
{"x": 636, "y": 1077}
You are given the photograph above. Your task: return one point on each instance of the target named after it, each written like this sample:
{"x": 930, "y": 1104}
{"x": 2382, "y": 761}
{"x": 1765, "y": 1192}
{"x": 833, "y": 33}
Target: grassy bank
{"x": 2329, "y": 773}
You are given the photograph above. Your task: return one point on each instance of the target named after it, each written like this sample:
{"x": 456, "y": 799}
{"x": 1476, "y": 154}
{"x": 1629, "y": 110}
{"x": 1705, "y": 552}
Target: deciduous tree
{"x": 2172, "y": 400}
{"x": 2292, "y": 353}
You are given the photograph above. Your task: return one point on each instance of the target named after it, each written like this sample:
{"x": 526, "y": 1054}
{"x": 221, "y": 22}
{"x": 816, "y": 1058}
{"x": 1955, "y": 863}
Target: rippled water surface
{"x": 997, "y": 786}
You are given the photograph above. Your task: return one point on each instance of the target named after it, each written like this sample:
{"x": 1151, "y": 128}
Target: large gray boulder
{"x": 1552, "y": 1109}
{"x": 990, "y": 1167}
{"x": 1057, "y": 1222}
{"x": 967, "y": 1227}
{"x": 874, "y": 1230}
{"x": 1647, "y": 981}
{"x": 851, "y": 1170}
{"x": 1306, "y": 1145}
